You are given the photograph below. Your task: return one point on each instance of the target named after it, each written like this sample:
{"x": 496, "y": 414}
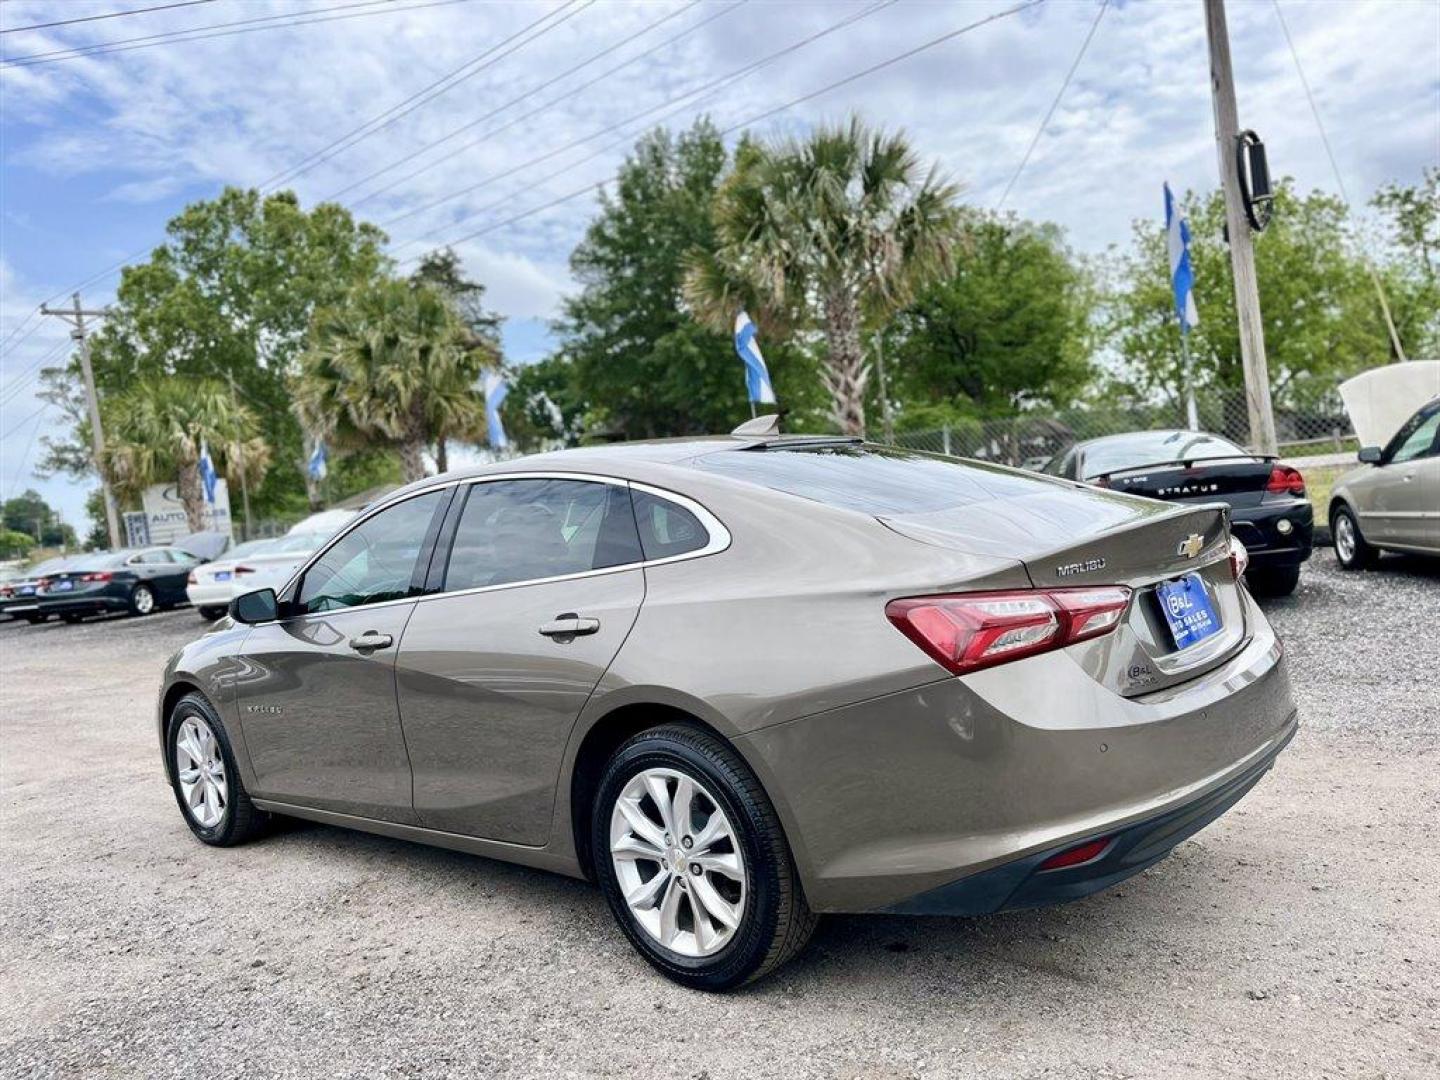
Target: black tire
{"x": 1273, "y": 580}
{"x": 34, "y": 619}
{"x": 137, "y": 604}
{"x": 210, "y": 614}
{"x": 1358, "y": 555}
{"x": 241, "y": 820}
{"x": 776, "y": 922}
{"x": 73, "y": 617}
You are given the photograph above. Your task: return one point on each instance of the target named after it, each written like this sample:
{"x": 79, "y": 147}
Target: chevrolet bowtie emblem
{"x": 1191, "y": 546}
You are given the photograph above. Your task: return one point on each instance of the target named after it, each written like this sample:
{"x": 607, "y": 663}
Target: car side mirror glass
{"x": 255, "y": 607}
{"x": 1370, "y": 455}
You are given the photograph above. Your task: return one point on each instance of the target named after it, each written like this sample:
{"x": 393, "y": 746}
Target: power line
{"x": 1050, "y": 112}
{"x": 272, "y": 22}
{"x": 429, "y": 93}
{"x": 535, "y": 111}
{"x": 108, "y": 15}
{"x": 19, "y": 382}
{"x": 680, "y": 101}
{"x": 5, "y": 345}
{"x": 1339, "y": 180}
{"x": 907, "y": 54}
{"x": 37, "y": 416}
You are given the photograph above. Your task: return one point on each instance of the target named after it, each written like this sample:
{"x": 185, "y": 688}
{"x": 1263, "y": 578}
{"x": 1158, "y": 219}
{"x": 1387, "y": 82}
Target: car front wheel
{"x": 693, "y": 862}
{"x": 1351, "y": 550}
{"x": 142, "y": 600}
{"x": 210, "y": 614}
{"x": 207, "y": 784}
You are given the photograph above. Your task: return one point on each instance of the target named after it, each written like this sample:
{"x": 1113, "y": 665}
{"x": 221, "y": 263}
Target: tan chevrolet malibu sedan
{"x": 745, "y": 680}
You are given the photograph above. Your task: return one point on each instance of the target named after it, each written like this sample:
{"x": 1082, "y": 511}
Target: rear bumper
{"x": 1131, "y": 849}
{"x": 1258, "y": 528}
{"x": 210, "y": 595}
{"x": 88, "y": 602}
{"x": 889, "y": 800}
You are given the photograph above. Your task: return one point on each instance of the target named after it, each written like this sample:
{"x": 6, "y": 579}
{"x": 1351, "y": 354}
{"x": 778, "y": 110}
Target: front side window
{"x": 374, "y": 561}
{"x": 1417, "y": 438}
{"x": 526, "y": 530}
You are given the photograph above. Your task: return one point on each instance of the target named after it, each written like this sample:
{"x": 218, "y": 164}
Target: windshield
{"x": 1153, "y": 448}
{"x": 250, "y": 547}
{"x": 297, "y": 543}
{"x": 871, "y": 479}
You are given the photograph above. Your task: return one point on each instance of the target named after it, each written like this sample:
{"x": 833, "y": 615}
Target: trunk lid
{"x": 1240, "y": 482}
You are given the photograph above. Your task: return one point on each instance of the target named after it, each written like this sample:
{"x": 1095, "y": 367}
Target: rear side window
{"x": 525, "y": 530}
{"x": 667, "y": 528}
{"x": 871, "y": 479}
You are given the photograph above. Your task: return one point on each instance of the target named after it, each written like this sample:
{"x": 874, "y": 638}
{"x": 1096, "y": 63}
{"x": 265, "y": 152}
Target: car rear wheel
{"x": 693, "y": 862}
{"x": 73, "y": 617}
{"x": 1273, "y": 581}
{"x": 210, "y": 614}
{"x": 35, "y": 620}
{"x": 142, "y": 600}
{"x": 207, "y": 784}
{"x": 1351, "y": 550}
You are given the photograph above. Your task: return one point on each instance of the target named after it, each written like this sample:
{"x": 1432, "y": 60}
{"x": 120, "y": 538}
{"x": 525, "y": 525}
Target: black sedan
{"x": 136, "y": 580}
{"x": 18, "y": 597}
{"x": 1269, "y": 512}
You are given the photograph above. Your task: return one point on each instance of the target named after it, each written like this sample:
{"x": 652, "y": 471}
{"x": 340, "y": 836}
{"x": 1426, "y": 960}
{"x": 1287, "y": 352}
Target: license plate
{"x": 62, "y": 586}
{"x": 1188, "y": 610}
{"x": 222, "y": 575}
{"x": 25, "y": 590}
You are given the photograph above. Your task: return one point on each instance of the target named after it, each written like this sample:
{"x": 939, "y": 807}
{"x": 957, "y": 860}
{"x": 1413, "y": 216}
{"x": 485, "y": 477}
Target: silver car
{"x": 741, "y": 681}
{"x": 1392, "y": 502}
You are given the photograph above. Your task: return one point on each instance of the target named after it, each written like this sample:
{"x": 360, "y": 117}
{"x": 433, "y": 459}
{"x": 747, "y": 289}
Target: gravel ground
{"x": 1295, "y": 937}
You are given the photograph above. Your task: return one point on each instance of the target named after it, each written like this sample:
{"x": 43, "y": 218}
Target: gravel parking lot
{"x": 1295, "y": 937}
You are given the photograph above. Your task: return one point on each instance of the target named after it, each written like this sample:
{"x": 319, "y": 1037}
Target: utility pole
{"x": 76, "y": 318}
{"x": 240, "y": 447}
{"x": 1237, "y": 227}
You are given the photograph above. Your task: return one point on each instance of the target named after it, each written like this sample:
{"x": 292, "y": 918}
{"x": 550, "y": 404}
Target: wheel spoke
{"x": 635, "y": 847}
{"x": 714, "y": 829}
{"x": 660, "y": 795}
{"x": 639, "y": 824}
{"x": 701, "y": 890}
{"x": 644, "y": 896}
{"x": 680, "y": 807}
{"x": 189, "y": 776}
{"x": 670, "y": 914}
{"x": 725, "y": 862}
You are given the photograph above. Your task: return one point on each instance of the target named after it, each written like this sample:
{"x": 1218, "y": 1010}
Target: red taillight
{"x": 969, "y": 631}
{"x": 1080, "y": 853}
{"x": 244, "y": 570}
{"x": 98, "y": 575}
{"x": 1239, "y": 558}
{"x": 1285, "y": 480}
{"x": 191, "y": 579}
{"x": 6, "y": 590}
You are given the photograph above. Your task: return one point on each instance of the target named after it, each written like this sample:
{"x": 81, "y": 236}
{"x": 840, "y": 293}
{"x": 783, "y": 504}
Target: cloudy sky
{"x": 484, "y": 119}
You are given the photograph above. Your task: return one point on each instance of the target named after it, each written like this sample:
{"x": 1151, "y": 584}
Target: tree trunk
{"x": 846, "y": 371}
{"x": 442, "y": 455}
{"x": 192, "y": 495}
{"x": 412, "y": 460}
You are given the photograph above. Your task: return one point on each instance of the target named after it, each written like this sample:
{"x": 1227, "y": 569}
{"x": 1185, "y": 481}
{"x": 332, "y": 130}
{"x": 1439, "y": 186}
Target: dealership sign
{"x": 162, "y": 517}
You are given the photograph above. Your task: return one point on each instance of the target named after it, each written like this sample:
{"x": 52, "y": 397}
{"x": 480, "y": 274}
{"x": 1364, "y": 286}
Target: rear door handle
{"x": 568, "y": 626}
{"x": 371, "y": 640}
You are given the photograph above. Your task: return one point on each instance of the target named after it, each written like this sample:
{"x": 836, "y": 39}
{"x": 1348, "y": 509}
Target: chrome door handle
{"x": 568, "y": 626}
{"x": 371, "y": 640}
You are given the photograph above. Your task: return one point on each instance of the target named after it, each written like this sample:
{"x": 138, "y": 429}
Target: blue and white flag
{"x": 208, "y": 476}
{"x": 1182, "y": 278}
{"x": 757, "y": 375}
{"x": 318, "y": 468}
{"x": 495, "y": 388}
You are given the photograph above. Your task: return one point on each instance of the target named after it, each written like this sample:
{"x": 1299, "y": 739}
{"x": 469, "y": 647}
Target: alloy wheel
{"x": 200, "y": 769}
{"x": 144, "y": 600}
{"x": 1344, "y": 537}
{"x": 678, "y": 862}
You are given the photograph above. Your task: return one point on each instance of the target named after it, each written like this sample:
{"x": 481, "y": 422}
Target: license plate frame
{"x": 63, "y": 586}
{"x": 223, "y": 575}
{"x": 1188, "y": 611}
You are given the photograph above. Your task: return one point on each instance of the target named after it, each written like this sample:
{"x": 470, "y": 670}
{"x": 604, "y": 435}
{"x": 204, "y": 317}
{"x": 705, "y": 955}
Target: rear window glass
{"x": 871, "y": 479}
{"x": 1154, "y": 448}
{"x": 667, "y": 528}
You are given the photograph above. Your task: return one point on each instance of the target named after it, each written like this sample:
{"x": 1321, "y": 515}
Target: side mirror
{"x": 255, "y": 607}
{"x": 1370, "y": 455}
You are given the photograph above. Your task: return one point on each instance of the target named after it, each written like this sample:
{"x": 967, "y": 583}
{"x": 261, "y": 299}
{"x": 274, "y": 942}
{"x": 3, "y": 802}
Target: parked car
{"x": 256, "y": 564}
{"x": 136, "y": 580}
{"x": 741, "y": 681}
{"x": 18, "y": 599}
{"x": 324, "y": 522}
{"x": 1269, "y": 511}
{"x": 1392, "y": 502}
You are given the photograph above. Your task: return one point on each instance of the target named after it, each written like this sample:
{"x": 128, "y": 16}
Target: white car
{"x": 258, "y": 564}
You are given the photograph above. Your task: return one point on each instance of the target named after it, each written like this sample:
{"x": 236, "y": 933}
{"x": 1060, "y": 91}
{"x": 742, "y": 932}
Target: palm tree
{"x": 393, "y": 365}
{"x": 832, "y": 230}
{"x": 154, "y": 431}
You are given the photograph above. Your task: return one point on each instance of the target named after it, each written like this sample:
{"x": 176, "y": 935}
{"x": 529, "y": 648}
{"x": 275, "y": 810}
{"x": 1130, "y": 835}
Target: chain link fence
{"x": 1317, "y": 426}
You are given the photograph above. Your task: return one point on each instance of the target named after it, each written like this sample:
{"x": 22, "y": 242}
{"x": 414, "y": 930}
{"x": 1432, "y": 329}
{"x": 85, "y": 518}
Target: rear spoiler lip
{"x": 1188, "y": 463}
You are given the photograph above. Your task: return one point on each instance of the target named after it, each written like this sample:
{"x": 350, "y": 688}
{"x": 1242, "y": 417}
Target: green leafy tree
{"x": 832, "y": 231}
{"x": 30, "y": 514}
{"x": 15, "y": 545}
{"x": 1007, "y": 330}
{"x": 392, "y": 365}
{"x": 229, "y": 295}
{"x": 155, "y": 430}
{"x": 1320, "y": 315}
{"x": 1411, "y": 271}
{"x": 633, "y": 362}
